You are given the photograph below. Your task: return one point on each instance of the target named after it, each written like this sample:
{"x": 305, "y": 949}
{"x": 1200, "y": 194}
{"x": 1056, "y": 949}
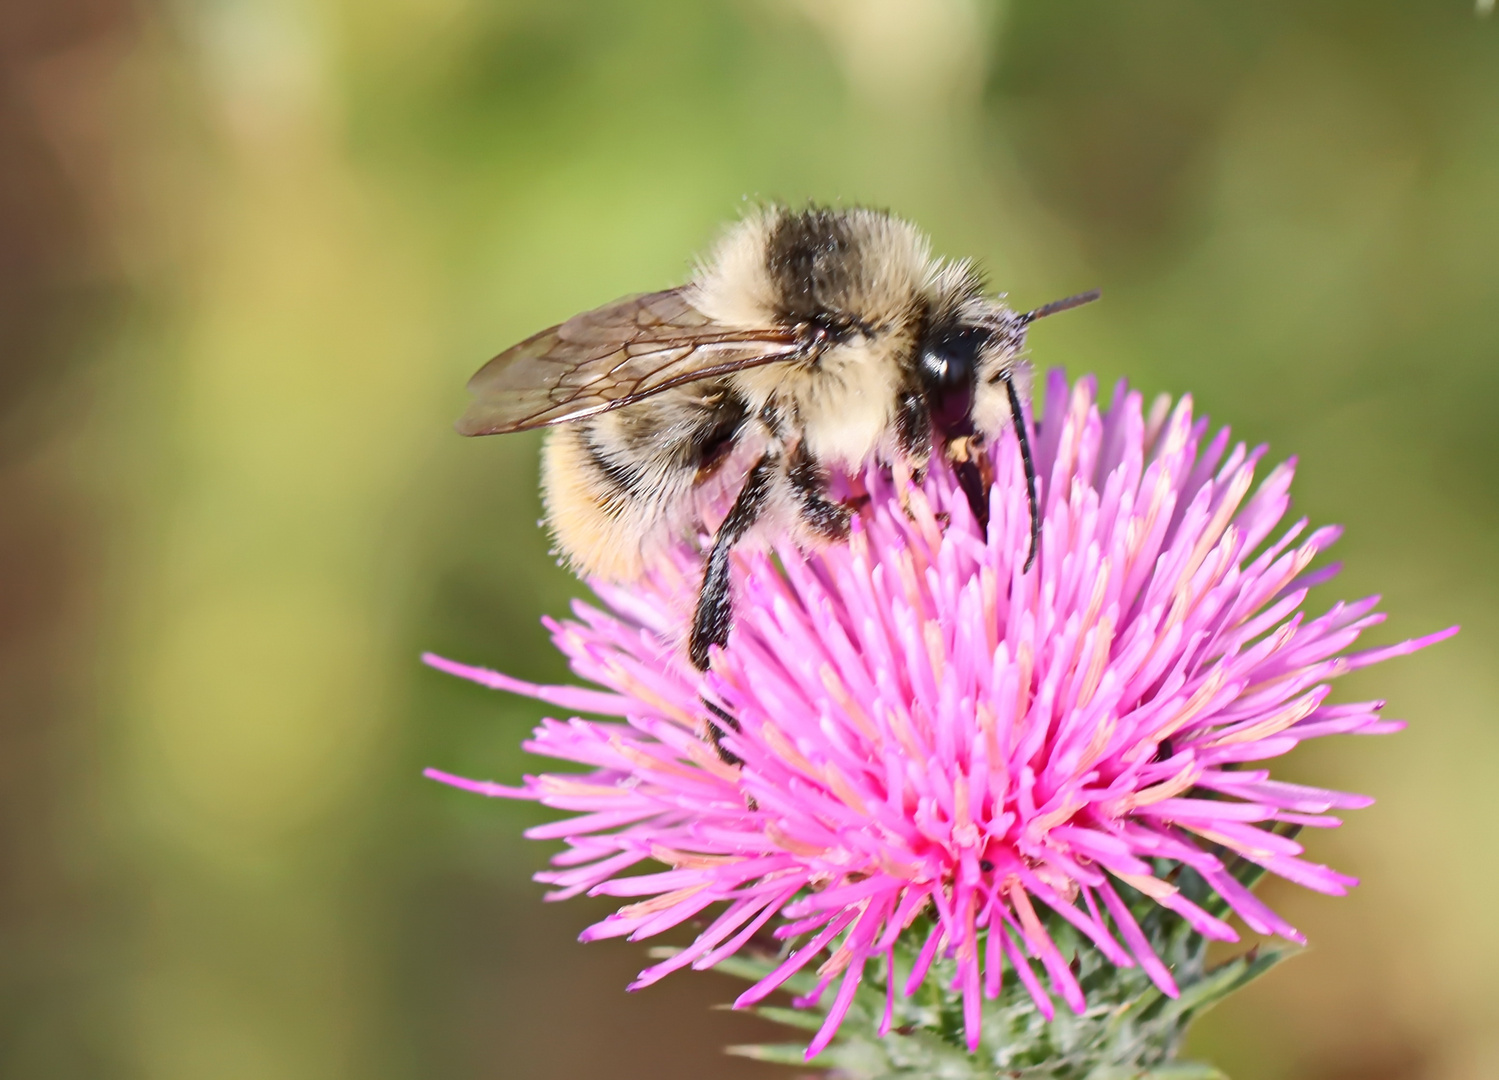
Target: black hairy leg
{"x": 715, "y": 614}
{"x": 715, "y": 733}
{"x": 715, "y": 438}
{"x": 913, "y": 425}
{"x": 970, "y": 464}
{"x": 822, "y": 516}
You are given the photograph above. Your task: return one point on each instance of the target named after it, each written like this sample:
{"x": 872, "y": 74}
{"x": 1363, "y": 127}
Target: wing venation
{"x": 611, "y": 356}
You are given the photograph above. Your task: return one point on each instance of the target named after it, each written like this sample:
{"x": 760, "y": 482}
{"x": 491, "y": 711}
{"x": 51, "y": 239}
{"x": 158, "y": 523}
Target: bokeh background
{"x": 250, "y": 250}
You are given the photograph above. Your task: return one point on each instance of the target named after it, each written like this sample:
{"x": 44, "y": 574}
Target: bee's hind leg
{"x": 714, "y": 615}
{"x": 715, "y": 733}
{"x": 816, "y": 513}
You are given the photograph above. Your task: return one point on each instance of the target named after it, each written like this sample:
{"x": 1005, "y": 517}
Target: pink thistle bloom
{"x": 925, "y": 728}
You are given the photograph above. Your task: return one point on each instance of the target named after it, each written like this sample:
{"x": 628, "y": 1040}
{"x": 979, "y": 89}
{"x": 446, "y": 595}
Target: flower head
{"x": 926, "y": 731}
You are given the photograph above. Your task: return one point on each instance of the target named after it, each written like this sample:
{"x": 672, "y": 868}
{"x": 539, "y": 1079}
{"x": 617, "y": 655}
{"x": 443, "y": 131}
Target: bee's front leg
{"x": 975, "y": 473}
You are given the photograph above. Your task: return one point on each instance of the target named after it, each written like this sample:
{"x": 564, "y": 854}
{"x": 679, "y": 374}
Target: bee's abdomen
{"x": 619, "y": 484}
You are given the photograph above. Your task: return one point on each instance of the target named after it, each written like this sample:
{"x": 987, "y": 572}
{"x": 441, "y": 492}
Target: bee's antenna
{"x": 1018, "y": 418}
{"x": 1060, "y": 305}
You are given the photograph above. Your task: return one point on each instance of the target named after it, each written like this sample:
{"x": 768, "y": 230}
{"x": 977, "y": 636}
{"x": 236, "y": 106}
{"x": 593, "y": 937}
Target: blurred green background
{"x": 250, "y": 250}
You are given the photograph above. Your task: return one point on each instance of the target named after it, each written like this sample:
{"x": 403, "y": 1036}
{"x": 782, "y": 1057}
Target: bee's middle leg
{"x": 913, "y": 440}
{"x": 818, "y": 514}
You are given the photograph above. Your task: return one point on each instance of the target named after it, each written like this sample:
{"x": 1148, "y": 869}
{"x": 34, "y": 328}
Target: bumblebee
{"x": 808, "y": 343}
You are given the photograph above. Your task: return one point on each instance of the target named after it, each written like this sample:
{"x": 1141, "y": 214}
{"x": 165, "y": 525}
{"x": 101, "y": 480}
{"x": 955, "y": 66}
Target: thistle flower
{"x": 928, "y": 736}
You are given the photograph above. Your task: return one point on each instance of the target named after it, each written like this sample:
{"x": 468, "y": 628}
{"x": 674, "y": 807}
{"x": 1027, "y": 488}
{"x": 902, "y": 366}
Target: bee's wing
{"x": 609, "y": 357}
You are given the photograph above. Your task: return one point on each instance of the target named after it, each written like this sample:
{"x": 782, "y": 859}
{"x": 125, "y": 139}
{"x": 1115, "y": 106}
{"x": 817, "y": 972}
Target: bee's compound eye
{"x": 946, "y": 366}
{"x": 940, "y": 370}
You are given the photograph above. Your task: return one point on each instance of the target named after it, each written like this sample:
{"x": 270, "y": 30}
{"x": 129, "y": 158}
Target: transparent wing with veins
{"x": 609, "y": 357}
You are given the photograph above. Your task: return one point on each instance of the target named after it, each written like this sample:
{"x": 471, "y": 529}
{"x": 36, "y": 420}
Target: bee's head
{"x": 969, "y": 367}
{"x": 948, "y": 361}
{"x": 961, "y": 362}
{"x": 969, "y": 361}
